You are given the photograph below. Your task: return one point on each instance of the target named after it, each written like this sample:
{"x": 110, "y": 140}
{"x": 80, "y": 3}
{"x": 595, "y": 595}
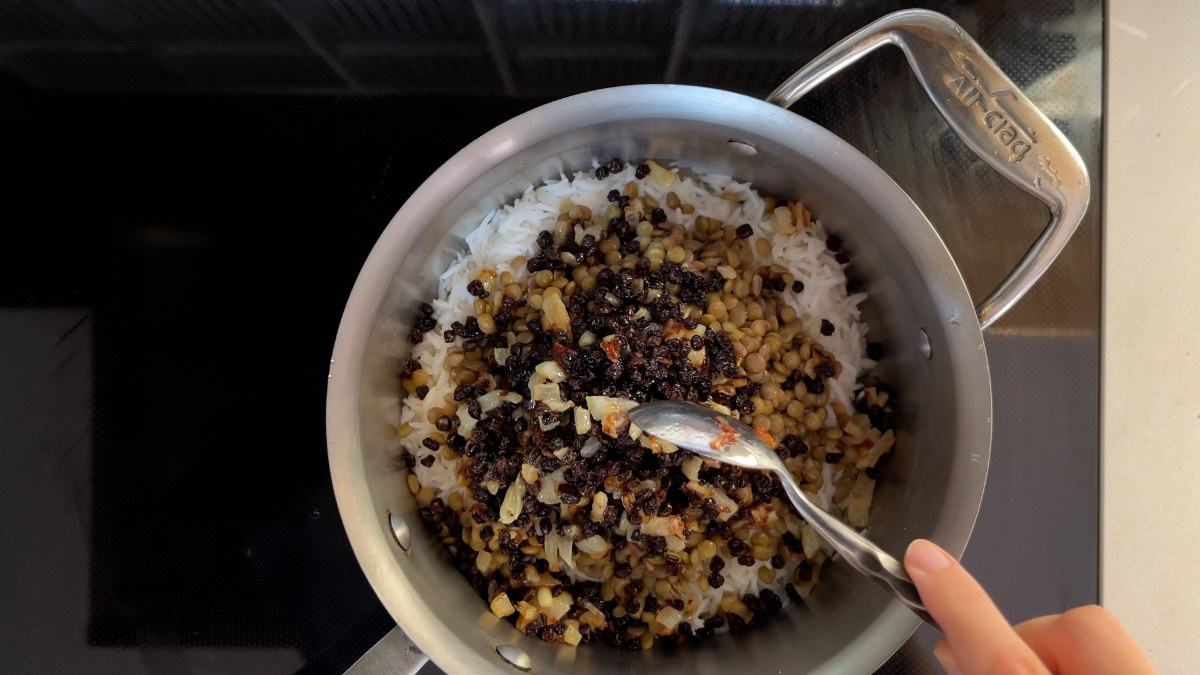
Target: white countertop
{"x": 1150, "y": 532}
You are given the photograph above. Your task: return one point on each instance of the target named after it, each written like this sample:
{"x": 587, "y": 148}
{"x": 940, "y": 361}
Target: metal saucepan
{"x": 919, "y": 307}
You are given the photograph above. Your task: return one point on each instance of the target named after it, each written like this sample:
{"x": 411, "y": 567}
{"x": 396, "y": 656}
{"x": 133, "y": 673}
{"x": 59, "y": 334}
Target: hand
{"x": 980, "y": 641}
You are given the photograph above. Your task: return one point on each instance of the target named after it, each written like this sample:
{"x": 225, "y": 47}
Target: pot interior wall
{"x": 931, "y": 484}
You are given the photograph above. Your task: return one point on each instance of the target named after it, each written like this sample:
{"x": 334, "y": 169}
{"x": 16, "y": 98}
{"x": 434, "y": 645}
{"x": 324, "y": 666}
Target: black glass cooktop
{"x": 189, "y": 188}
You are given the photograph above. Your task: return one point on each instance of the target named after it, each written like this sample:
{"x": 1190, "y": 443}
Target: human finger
{"x": 1087, "y": 640}
{"x": 980, "y": 638}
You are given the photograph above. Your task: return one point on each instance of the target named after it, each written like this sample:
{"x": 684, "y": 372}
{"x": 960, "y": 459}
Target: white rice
{"x": 511, "y": 232}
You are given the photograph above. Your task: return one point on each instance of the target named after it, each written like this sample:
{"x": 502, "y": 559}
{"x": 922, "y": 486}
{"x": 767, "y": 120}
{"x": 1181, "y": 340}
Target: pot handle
{"x": 394, "y": 654}
{"x": 992, "y": 117}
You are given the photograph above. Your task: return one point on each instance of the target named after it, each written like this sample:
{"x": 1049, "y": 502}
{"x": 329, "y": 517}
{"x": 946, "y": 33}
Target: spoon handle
{"x": 859, "y": 551}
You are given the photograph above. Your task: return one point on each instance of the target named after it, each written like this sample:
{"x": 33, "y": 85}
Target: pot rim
{"x": 372, "y": 543}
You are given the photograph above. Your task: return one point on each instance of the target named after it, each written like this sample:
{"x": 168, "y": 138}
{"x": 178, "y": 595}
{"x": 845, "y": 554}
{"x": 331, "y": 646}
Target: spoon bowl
{"x": 706, "y": 432}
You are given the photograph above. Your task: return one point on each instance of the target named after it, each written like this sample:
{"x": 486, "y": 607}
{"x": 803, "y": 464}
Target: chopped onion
{"x": 595, "y": 230}
{"x": 548, "y": 494}
{"x": 571, "y": 635}
{"x": 861, "y": 496}
{"x": 635, "y": 432}
{"x": 583, "y": 421}
{"x": 558, "y": 405}
{"x": 566, "y": 551}
{"x": 502, "y": 605}
{"x": 529, "y": 472}
{"x": 510, "y": 508}
{"x": 559, "y": 606}
{"x": 661, "y": 176}
{"x": 594, "y": 545}
{"x": 726, "y": 507}
{"x": 691, "y": 603}
{"x": 669, "y": 617}
{"x": 655, "y": 527}
{"x": 622, "y": 527}
{"x": 550, "y": 544}
{"x": 615, "y": 424}
{"x": 719, "y": 408}
{"x": 602, "y": 406}
{"x": 794, "y": 524}
{"x": 759, "y": 515}
{"x": 782, "y": 222}
{"x": 656, "y": 445}
{"x": 810, "y": 540}
{"x": 554, "y": 314}
{"x": 475, "y": 542}
{"x": 466, "y": 423}
{"x": 599, "y": 504}
{"x": 659, "y": 526}
{"x": 879, "y": 446}
{"x": 543, "y": 387}
{"x": 487, "y": 403}
{"x": 551, "y": 371}
{"x": 488, "y": 278}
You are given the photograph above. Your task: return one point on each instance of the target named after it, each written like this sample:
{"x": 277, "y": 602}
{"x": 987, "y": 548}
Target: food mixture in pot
{"x": 570, "y": 306}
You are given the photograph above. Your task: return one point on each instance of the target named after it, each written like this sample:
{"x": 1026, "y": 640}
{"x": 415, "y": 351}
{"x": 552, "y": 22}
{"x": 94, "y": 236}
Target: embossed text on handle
{"x": 993, "y": 110}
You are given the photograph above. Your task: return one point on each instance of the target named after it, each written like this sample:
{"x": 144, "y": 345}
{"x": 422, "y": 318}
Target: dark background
{"x": 187, "y": 191}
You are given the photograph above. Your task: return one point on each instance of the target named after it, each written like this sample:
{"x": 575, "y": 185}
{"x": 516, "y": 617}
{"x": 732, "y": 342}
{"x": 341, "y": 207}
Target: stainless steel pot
{"x": 919, "y": 307}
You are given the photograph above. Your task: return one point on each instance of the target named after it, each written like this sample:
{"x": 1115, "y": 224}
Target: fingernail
{"x": 945, "y": 657}
{"x": 924, "y": 557}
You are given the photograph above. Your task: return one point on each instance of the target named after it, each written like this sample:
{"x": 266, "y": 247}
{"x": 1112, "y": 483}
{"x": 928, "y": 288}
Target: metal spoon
{"x": 708, "y": 433}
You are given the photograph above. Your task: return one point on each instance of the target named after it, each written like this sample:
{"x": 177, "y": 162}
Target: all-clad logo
{"x": 1014, "y": 135}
